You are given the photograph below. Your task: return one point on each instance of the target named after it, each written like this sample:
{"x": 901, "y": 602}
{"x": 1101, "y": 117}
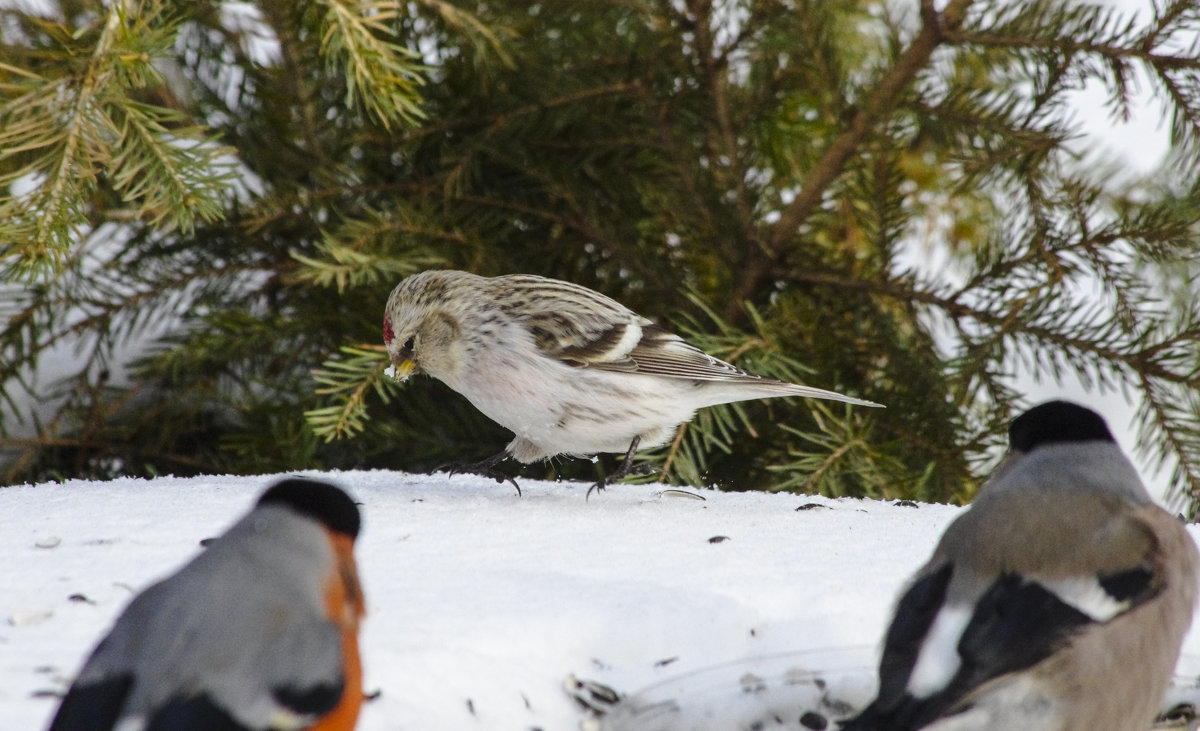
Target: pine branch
{"x": 876, "y": 102}
{"x": 373, "y": 248}
{"x": 472, "y": 26}
{"x": 173, "y": 173}
{"x": 381, "y": 74}
{"x": 350, "y": 379}
{"x": 840, "y": 460}
{"x": 880, "y": 100}
{"x": 1068, "y": 44}
{"x": 1095, "y": 33}
{"x": 61, "y": 128}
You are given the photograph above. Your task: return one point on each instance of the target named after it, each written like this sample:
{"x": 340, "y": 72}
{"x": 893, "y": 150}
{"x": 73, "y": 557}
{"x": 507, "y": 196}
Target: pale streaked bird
{"x": 1057, "y": 602}
{"x": 566, "y": 369}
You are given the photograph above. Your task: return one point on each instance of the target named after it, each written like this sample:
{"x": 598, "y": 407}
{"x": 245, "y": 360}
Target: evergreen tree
{"x": 207, "y": 205}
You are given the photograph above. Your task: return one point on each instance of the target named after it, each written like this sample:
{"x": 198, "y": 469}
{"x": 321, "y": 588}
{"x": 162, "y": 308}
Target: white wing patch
{"x": 938, "y": 659}
{"x": 1085, "y": 594}
{"x": 629, "y": 340}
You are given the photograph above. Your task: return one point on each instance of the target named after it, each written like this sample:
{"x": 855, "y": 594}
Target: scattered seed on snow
{"x": 31, "y": 617}
{"x": 682, "y": 493}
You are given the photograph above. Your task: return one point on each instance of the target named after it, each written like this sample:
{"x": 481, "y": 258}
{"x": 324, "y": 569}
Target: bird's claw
{"x": 641, "y": 469}
{"x": 484, "y": 468}
{"x": 626, "y": 468}
{"x": 599, "y": 485}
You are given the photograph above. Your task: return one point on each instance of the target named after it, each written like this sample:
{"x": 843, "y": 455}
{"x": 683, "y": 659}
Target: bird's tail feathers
{"x": 769, "y": 388}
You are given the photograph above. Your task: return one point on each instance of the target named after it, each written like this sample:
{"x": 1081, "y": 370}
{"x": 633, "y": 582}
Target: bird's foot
{"x": 641, "y": 469}
{"x": 597, "y": 485}
{"x": 626, "y": 468}
{"x": 484, "y": 468}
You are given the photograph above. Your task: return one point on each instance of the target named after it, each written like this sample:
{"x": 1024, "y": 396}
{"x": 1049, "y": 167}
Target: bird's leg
{"x": 623, "y": 470}
{"x": 484, "y": 467}
{"x": 627, "y": 467}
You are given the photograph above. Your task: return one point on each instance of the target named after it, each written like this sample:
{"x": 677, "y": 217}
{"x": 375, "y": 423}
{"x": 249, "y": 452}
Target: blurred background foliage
{"x": 205, "y": 205}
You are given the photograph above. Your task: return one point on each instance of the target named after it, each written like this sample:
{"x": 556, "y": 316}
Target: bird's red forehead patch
{"x": 388, "y": 335}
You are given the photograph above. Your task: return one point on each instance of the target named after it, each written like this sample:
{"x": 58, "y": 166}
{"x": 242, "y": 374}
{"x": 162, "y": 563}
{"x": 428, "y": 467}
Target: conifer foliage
{"x": 204, "y": 205}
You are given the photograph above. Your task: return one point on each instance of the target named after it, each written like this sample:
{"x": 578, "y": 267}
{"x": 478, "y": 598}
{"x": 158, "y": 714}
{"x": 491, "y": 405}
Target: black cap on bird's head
{"x": 1056, "y": 422}
{"x": 321, "y": 501}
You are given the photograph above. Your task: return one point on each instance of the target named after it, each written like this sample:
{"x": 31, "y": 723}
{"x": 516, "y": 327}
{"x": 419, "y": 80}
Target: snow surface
{"x": 480, "y": 603}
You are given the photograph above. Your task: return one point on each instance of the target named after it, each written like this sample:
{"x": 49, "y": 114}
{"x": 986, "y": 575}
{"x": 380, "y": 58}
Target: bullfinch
{"x": 1057, "y": 601}
{"x": 257, "y": 632}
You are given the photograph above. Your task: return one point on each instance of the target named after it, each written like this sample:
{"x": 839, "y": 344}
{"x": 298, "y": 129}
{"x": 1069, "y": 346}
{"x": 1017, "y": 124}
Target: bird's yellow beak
{"x": 402, "y": 370}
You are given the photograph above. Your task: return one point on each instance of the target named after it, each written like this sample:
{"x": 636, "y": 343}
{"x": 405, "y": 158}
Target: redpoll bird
{"x": 567, "y": 369}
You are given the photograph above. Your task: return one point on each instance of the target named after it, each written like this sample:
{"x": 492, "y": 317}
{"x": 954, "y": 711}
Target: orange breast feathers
{"x": 345, "y": 606}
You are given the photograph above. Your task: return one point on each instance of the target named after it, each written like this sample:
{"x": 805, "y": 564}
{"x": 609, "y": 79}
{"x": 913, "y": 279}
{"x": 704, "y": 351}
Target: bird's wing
{"x": 584, "y": 328}
{"x": 648, "y": 349}
{"x": 193, "y": 713}
{"x": 570, "y": 322}
{"x": 205, "y": 669}
{"x": 94, "y": 706}
{"x": 217, "y": 637}
{"x": 274, "y": 648}
{"x": 104, "y": 688}
{"x": 940, "y": 648}
{"x": 914, "y": 615}
{"x": 1015, "y": 625}
{"x": 662, "y": 353}
{"x": 267, "y": 680}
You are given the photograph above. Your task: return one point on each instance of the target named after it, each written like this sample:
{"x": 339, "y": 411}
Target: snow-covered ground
{"x": 481, "y": 603}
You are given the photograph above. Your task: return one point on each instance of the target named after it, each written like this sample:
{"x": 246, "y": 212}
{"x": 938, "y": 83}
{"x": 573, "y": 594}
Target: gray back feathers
{"x": 244, "y": 617}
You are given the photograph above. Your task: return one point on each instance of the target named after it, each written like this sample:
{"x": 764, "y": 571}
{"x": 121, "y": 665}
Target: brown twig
{"x": 877, "y": 103}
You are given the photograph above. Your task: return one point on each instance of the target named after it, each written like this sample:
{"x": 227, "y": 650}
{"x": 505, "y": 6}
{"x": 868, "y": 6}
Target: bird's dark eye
{"x": 408, "y": 344}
